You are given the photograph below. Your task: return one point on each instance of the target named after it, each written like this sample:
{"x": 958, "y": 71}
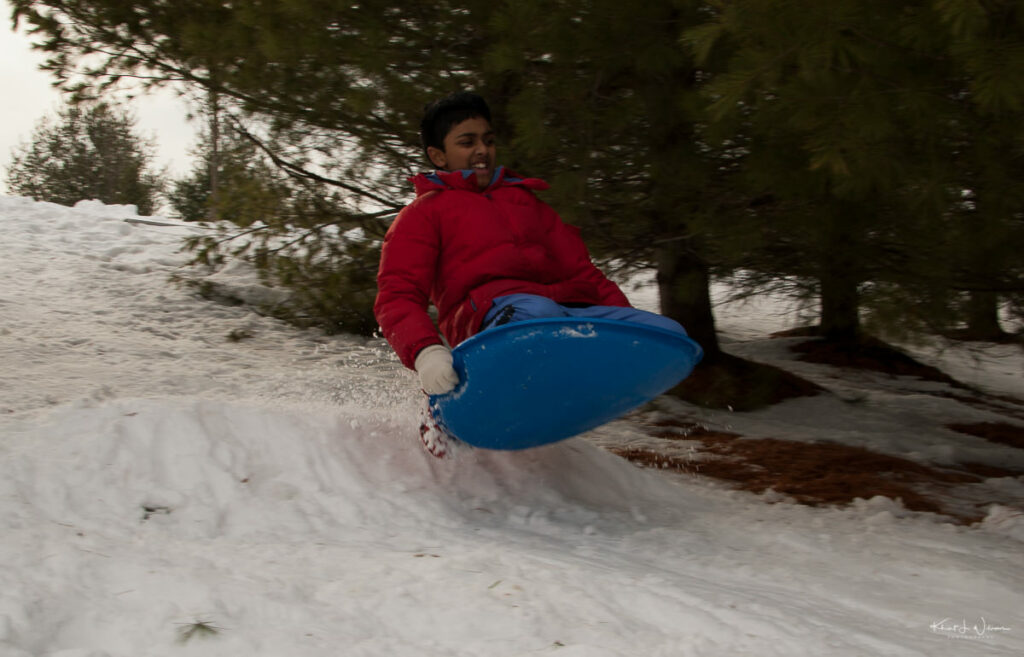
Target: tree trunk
{"x": 840, "y": 305}
{"x": 840, "y": 273}
{"x": 983, "y": 317}
{"x": 684, "y": 288}
{"x": 214, "y": 111}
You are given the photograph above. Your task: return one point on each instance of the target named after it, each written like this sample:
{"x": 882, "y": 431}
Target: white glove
{"x": 434, "y": 365}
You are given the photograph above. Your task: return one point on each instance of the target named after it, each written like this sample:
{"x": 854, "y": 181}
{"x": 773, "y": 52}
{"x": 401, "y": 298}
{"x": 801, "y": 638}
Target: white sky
{"x": 28, "y": 96}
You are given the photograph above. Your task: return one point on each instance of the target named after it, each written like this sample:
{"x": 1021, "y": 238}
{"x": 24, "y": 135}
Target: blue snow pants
{"x": 519, "y": 307}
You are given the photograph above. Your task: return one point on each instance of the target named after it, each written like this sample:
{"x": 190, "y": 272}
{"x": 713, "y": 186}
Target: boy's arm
{"x": 407, "y": 266}
{"x": 572, "y": 250}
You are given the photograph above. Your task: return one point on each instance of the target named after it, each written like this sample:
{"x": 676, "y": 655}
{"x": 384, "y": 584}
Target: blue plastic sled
{"x": 539, "y": 381}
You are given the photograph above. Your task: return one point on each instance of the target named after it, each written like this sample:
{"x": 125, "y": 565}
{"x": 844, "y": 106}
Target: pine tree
{"x": 829, "y": 156}
{"x": 346, "y": 78}
{"x": 88, "y": 152}
{"x": 601, "y": 99}
{"x": 986, "y": 43}
{"x": 861, "y": 132}
{"x": 329, "y": 94}
{"x": 230, "y": 181}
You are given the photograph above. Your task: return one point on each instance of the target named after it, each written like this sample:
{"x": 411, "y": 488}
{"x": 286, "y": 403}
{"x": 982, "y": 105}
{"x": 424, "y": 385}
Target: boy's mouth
{"x": 482, "y": 170}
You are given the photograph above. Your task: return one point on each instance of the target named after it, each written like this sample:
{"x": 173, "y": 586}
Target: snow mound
{"x": 215, "y": 469}
{"x": 295, "y": 528}
{"x": 1005, "y": 520}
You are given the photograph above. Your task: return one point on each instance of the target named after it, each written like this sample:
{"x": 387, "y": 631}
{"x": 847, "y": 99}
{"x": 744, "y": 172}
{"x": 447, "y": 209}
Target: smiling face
{"x": 468, "y": 145}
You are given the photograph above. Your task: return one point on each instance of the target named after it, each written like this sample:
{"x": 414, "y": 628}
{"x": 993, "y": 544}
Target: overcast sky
{"x": 28, "y": 96}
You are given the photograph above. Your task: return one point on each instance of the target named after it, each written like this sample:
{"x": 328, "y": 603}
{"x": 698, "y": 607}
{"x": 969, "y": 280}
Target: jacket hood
{"x": 463, "y": 179}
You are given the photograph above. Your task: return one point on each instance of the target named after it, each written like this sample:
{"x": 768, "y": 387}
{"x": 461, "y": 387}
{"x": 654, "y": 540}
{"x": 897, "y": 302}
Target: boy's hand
{"x": 434, "y": 365}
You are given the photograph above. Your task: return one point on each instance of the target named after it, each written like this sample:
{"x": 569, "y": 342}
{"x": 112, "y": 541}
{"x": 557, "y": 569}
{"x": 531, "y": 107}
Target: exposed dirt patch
{"x": 870, "y": 354}
{"x": 825, "y": 473}
{"x": 996, "y": 432}
{"x": 811, "y": 473}
{"x": 986, "y": 471}
{"x": 1002, "y": 337}
{"x": 728, "y": 382}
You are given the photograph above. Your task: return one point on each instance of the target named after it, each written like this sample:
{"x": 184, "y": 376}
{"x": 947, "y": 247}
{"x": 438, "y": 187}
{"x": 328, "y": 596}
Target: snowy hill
{"x": 166, "y": 490}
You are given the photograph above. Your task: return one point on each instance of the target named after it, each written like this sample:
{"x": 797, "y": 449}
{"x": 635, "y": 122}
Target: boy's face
{"x": 468, "y": 145}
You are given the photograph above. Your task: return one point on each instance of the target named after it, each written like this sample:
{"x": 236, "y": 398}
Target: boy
{"x": 478, "y": 244}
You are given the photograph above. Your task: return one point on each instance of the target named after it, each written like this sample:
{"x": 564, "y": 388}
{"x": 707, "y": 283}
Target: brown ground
{"x": 816, "y": 473}
{"x": 996, "y": 432}
{"x": 824, "y": 473}
{"x": 732, "y": 383}
{"x": 870, "y": 355}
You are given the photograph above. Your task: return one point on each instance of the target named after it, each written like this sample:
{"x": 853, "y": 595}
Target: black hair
{"x": 440, "y": 115}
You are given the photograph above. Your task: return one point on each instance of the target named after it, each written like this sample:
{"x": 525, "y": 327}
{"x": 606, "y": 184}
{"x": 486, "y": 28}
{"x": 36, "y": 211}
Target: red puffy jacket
{"x": 459, "y": 247}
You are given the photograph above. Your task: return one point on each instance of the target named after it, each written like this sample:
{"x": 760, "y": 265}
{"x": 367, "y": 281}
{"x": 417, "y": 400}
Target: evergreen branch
{"x": 119, "y": 63}
{"x": 298, "y": 171}
{"x": 319, "y": 228}
{"x": 231, "y": 238}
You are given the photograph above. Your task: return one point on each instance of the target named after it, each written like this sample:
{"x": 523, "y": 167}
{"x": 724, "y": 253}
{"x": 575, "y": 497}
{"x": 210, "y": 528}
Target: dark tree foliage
{"x": 88, "y": 152}
{"x": 602, "y": 99}
{"x": 249, "y": 189}
{"x": 867, "y": 153}
{"x": 329, "y": 93}
{"x": 294, "y": 229}
{"x": 877, "y": 142}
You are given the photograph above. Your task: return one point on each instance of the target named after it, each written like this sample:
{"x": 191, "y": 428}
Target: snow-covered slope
{"x": 158, "y": 479}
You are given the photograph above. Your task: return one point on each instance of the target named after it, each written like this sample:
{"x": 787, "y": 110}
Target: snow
{"x": 166, "y": 490}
